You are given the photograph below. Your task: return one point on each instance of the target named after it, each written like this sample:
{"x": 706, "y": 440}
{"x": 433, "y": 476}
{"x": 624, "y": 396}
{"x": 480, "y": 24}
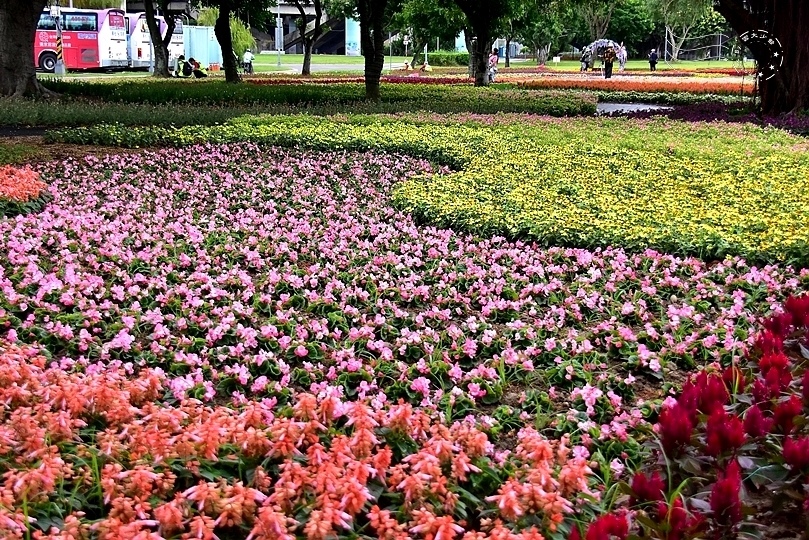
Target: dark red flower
{"x": 768, "y": 342}
{"x": 725, "y": 501}
{"x": 776, "y": 359}
{"x": 796, "y": 452}
{"x": 785, "y": 413}
{"x": 713, "y": 394}
{"x": 676, "y": 427}
{"x": 798, "y": 307}
{"x": 681, "y": 523}
{"x": 779, "y": 324}
{"x": 755, "y": 424}
{"x": 608, "y": 527}
{"x": 647, "y": 488}
{"x": 761, "y": 392}
{"x": 689, "y": 397}
{"x": 725, "y": 433}
{"x": 777, "y": 380}
{"x": 734, "y": 379}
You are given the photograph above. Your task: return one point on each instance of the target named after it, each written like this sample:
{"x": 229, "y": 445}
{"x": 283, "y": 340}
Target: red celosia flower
{"x": 676, "y": 427}
{"x": 725, "y": 433}
{"x": 796, "y": 452}
{"x": 755, "y": 424}
{"x": 777, "y": 380}
{"x": 681, "y": 524}
{"x": 608, "y": 527}
{"x": 725, "y": 501}
{"x": 779, "y": 324}
{"x": 689, "y": 397}
{"x": 647, "y": 488}
{"x": 768, "y": 342}
{"x": 775, "y": 359}
{"x": 761, "y": 392}
{"x": 713, "y": 395}
{"x": 786, "y": 412}
{"x": 798, "y": 307}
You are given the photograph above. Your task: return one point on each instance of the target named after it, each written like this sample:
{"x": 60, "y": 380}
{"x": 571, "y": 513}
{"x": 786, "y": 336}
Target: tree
{"x": 160, "y": 43}
{"x": 374, "y": 16}
{"x": 632, "y": 25}
{"x": 18, "y": 22}
{"x": 597, "y": 15}
{"x": 541, "y": 26}
{"x": 483, "y": 17}
{"x": 309, "y": 40}
{"x": 788, "y": 22}
{"x": 426, "y": 20}
{"x": 679, "y": 17}
{"x": 228, "y": 29}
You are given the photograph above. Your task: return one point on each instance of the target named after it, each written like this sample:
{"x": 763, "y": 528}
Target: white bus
{"x": 140, "y": 40}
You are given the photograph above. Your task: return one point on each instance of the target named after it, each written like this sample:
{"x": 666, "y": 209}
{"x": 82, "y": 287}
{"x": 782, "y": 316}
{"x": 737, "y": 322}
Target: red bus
{"x": 91, "y": 39}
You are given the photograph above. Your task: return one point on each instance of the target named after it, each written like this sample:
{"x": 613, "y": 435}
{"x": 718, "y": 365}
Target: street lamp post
{"x": 279, "y": 32}
{"x": 56, "y": 15}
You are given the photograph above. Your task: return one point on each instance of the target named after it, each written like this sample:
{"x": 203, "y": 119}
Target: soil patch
{"x": 38, "y": 151}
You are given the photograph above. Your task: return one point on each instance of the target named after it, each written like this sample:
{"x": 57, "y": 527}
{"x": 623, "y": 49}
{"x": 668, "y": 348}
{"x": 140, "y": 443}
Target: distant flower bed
{"x": 412, "y": 78}
{"x": 21, "y": 191}
{"x": 695, "y": 86}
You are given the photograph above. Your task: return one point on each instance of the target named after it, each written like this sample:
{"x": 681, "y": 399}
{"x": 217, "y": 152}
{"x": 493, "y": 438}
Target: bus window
{"x": 81, "y": 22}
{"x": 178, "y": 28}
{"x": 46, "y": 22}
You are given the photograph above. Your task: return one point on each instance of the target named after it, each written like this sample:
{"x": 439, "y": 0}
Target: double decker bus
{"x": 140, "y": 40}
{"x": 91, "y": 39}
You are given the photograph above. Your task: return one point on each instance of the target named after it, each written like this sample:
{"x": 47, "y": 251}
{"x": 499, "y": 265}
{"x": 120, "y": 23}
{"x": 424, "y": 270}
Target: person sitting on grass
{"x": 198, "y": 71}
{"x": 426, "y": 67}
{"x": 184, "y": 69}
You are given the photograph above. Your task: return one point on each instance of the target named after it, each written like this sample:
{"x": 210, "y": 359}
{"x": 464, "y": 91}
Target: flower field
{"x": 690, "y": 189}
{"x": 259, "y": 345}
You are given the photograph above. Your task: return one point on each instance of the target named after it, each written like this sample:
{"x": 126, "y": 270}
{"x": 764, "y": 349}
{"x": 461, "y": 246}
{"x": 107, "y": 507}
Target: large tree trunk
{"x": 481, "y": 53}
{"x": 788, "y": 90}
{"x": 372, "y": 40}
{"x": 222, "y": 31}
{"x": 18, "y": 22}
{"x": 160, "y": 52}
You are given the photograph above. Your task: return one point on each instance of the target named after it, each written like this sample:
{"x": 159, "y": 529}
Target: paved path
{"x": 607, "y": 108}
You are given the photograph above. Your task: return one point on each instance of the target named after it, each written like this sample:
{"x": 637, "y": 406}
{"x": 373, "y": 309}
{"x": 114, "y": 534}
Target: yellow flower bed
{"x": 701, "y": 190}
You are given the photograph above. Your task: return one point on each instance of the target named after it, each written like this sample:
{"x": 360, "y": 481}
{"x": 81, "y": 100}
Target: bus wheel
{"x": 47, "y": 62}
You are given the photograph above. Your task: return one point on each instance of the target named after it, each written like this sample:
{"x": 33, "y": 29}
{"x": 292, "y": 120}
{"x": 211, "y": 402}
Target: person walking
{"x": 653, "y": 60}
{"x": 621, "y": 58}
{"x": 586, "y": 55}
{"x": 609, "y": 59}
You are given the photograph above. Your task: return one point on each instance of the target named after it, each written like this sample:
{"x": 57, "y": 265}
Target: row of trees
{"x": 540, "y": 24}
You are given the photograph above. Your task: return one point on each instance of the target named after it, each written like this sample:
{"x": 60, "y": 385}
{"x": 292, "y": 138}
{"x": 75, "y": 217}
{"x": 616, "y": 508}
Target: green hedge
{"x": 444, "y": 58}
{"x": 177, "y": 104}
